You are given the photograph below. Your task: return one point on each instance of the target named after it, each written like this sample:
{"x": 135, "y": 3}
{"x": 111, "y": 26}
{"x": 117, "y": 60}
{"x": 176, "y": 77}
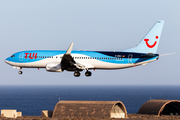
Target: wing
{"x": 69, "y": 64}
{"x": 67, "y": 61}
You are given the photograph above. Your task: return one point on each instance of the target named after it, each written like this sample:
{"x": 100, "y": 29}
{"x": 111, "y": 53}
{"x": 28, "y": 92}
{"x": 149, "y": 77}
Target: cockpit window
{"x": 13, "y": 56}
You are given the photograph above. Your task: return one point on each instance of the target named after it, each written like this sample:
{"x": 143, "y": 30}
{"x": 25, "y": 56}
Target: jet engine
{"x": 54, "y": 67}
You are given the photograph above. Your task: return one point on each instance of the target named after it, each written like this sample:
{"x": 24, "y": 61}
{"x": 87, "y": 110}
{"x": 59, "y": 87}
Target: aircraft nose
{"x": 6, "y": 61}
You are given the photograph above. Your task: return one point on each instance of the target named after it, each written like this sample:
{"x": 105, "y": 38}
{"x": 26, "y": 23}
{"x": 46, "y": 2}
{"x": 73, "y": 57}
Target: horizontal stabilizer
{"x": 167, "y": 54}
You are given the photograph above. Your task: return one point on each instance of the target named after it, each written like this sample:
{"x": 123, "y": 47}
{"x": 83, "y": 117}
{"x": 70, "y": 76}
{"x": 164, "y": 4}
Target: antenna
{"x": 59, "y": 98}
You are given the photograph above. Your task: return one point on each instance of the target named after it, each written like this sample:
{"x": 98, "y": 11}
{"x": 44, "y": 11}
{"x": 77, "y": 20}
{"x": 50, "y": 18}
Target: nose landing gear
{"x": 20, "y": 71}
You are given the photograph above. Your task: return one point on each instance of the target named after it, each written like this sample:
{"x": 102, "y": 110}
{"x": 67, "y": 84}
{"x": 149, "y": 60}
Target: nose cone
{"x": 7, "y": 60}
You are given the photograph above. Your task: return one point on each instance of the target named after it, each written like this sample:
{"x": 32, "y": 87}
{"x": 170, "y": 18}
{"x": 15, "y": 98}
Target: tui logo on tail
{"x": 151, "y": 46}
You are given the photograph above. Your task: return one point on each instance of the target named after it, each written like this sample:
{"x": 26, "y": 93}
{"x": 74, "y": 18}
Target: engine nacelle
{"x": 54, "y": 67}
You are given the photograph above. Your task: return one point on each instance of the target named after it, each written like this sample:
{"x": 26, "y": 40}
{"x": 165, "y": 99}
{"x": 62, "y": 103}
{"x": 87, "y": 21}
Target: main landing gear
{"x": 77, "y": 73}
{"x": 87, "y": 73}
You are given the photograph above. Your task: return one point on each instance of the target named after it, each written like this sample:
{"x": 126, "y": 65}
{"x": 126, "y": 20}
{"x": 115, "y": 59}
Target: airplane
{"x": 77, "y": 61}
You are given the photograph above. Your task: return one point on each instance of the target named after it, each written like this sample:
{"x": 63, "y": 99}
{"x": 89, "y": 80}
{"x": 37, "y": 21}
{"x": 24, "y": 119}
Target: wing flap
{"x": 84, "y": 65}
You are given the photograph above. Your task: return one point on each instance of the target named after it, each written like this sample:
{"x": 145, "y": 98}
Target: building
{"x": 10, "y": 113}
{"x": 90, "y": 109}
{"x": 160, "y": 107}
{"x": 46, "y": 113}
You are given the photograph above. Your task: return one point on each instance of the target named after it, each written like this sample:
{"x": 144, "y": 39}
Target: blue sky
{"x": 91, "y": 25}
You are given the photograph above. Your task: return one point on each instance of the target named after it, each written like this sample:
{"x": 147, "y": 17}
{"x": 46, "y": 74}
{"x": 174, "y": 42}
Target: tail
{"x": 150, "y": 42}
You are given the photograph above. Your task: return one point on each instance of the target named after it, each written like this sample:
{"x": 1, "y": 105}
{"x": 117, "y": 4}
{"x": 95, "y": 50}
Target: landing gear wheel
{"x": 77, "y": 74}
{"x": 20, "y": 72}
{"x": 88, "y": 73}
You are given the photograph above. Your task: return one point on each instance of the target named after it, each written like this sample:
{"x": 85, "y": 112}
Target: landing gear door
{"x": 21, "y": 55}
{"x": 130, "y": 56}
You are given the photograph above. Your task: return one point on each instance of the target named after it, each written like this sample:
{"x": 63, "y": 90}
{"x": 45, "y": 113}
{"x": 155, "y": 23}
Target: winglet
{"x": 68, "y": 52}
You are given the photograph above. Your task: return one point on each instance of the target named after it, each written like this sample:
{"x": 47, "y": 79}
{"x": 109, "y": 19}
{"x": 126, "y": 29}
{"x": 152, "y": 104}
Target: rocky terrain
{"x": 130, "y": 117}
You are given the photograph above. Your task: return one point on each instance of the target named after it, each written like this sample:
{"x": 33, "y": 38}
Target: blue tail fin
{"x": 150, "y": 42}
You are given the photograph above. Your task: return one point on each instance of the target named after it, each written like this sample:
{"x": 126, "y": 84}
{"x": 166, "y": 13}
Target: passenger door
{"x": 21, "y": 55}
{"x": 130, "y": 57}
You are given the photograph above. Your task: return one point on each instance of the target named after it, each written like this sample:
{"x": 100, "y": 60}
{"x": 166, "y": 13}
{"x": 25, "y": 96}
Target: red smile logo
{"x": 150, "y": 46}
